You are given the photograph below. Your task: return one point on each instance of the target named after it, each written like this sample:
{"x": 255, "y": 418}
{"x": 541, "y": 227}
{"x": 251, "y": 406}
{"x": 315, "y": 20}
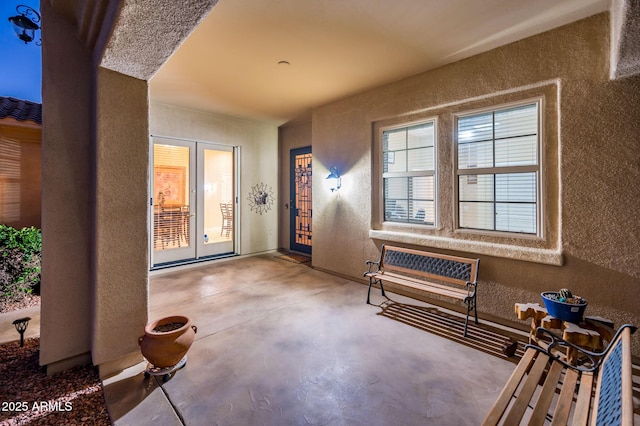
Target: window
{"x": 10, "y": 180}
{"x": 408, "y": 156}
{"x": 488, "y": 175}
{"x": 498, "y": 170}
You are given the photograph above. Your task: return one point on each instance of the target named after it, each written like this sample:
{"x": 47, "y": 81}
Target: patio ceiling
{"x": 231, "y": 63}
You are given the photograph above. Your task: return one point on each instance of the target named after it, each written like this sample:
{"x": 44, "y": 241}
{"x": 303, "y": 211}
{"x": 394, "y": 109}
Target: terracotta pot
{"x": 166, "y": 348}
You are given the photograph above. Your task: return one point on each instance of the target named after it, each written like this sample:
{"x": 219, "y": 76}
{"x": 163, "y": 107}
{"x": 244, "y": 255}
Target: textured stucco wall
{"x": 67, "y": 184}
{"x": 597, "y": 189}
{"x": 121, "y": 219}
{"x": 258, "y": 144}
{"x": 146, "y": 33}
{"x": 295, "y": 135}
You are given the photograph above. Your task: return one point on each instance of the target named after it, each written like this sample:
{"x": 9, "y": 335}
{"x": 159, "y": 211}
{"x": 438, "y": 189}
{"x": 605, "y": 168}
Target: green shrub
{"x": 19, "y": 262}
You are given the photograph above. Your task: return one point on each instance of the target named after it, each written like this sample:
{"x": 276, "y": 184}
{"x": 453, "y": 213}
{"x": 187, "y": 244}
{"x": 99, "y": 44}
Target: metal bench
{"x": 445, "y": 275}
{"x": 545, "y": 389}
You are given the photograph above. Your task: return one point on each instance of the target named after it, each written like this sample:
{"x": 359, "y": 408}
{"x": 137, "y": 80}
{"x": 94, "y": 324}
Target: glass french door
{"x": 216, "y": 200}
{"x": 193, "y": 200}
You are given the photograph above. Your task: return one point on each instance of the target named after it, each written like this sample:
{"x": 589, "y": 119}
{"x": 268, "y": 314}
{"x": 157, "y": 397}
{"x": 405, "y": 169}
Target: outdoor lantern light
{"x": 21, "y": 325}
{"x": 26, "y": 24}
{"x": 333, "y": 180}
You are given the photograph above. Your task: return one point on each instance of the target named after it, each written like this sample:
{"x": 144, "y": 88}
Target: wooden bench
{"x": 598, "y": 392}
{"x": 431, "y": 272}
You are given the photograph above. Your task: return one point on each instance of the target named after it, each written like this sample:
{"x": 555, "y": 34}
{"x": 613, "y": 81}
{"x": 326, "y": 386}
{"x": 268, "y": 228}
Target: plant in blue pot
{"x": 564, "y": 305}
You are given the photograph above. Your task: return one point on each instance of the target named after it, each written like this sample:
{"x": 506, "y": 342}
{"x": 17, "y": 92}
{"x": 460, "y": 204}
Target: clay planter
{"x": 167, "y": 348}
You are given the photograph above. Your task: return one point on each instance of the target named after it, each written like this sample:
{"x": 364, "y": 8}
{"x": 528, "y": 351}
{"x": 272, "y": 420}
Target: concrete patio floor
{"x": 280, "y": 343}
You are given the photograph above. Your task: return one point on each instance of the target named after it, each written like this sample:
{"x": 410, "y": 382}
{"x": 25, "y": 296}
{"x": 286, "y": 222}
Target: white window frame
{"x": 538, "y": 169}
{"x": 433, "y": 173}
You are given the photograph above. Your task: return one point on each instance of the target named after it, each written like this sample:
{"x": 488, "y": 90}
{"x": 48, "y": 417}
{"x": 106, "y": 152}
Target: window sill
{"x": 528, "y": 254}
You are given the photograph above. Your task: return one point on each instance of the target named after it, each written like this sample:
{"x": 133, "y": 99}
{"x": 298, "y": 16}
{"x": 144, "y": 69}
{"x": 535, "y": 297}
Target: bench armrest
{"x": 595, "y": 358}
{"x": 370, "y": 263}
{"x": 471, "y": 289}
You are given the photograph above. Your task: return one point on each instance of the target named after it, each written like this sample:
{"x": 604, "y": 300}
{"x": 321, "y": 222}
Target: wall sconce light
{"x": 26, "y": 24}
{"x": 333, "y": 180}
{"x": 21, "y": 326}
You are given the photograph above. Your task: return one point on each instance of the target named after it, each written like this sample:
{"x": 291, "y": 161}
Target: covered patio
{"x": 281, "y": 343}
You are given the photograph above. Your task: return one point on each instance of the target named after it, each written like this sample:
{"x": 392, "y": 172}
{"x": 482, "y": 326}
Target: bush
{"x": 19, "y": 262}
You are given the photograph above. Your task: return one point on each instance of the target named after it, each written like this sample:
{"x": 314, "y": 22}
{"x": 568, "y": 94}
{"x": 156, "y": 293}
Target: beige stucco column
{"x": 121, "y": 228}
{"x": 97, "y": 59}
{"x": 67, "y": 188}
{"x": 94, "y": 215}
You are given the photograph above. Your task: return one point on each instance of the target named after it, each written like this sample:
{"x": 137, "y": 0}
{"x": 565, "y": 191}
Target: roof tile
{"x": 20, "y": 110}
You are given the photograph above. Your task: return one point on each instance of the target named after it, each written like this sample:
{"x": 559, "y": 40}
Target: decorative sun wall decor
{"x": 261, "y": 198}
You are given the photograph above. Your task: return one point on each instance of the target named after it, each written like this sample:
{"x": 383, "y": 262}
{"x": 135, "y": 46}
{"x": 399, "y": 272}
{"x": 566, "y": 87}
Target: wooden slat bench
{"x": 435, "y": 273}
{"x": 545, "y": 389}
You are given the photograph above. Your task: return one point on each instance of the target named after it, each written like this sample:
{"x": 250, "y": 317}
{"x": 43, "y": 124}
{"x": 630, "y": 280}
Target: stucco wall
{"x": 597, "y": 191}
{"x": 67, "y": 185}
{"x": 121, "y": 221}
{"x": 258, "y": 144}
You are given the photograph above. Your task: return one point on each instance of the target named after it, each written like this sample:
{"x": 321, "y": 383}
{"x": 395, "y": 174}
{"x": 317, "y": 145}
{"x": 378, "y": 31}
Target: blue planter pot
{"x": 571, "y": 312}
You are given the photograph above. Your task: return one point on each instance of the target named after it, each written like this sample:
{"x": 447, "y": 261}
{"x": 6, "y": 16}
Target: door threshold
{"x": 191, "y": 261}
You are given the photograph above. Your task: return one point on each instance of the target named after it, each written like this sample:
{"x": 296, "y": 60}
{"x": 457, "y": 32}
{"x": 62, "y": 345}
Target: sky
{"x": 20, "y": 64}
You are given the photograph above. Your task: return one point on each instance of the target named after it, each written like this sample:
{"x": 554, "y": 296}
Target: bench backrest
{"x": 451, "y": 269}
{"x": 614, "y": 399}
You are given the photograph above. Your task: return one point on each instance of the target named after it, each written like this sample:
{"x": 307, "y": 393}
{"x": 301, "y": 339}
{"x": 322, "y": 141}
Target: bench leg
{"x": 475, "y": 308}
{"x": 466, "y": 322}
{"x": 471, "y": 304}
{"x": 371, "y": 282}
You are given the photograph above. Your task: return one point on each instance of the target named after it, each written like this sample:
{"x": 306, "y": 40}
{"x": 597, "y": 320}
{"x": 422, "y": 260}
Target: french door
{"x": 193, "y": 202}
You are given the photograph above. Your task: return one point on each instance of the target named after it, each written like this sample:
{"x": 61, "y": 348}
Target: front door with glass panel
{"x": 193, "y": 200}
{"x": 301, "y": 207}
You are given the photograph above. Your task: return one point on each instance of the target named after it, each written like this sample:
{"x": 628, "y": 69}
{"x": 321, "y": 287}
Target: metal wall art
{"x": 261, "y": 198}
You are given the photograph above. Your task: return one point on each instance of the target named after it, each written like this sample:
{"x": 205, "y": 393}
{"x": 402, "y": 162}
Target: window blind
{"x": 409, "y": 174}
{"x": 498, "y": 170}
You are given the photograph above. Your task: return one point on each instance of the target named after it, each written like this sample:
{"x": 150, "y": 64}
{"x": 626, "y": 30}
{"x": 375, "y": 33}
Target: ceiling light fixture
{"x": 26, "y": 24}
